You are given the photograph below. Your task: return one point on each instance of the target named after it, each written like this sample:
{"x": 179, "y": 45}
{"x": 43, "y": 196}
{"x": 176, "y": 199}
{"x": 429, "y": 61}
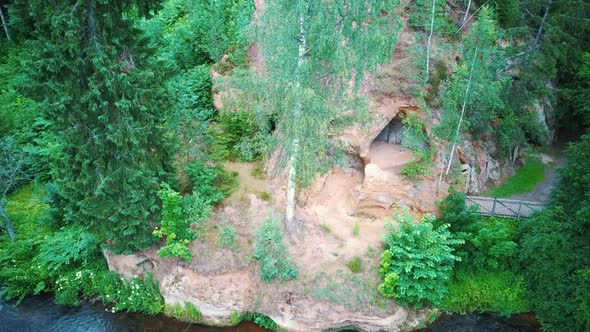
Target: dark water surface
{"x": 485, "y": 322}
{"x": 39, "y": 313}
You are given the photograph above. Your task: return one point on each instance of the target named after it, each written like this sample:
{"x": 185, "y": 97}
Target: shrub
{"x": 421, "y": 257}
{"x": 355, "y": 265}
{"x": 238, "y": 136}
{"x": 265, "y": 196}
{"x": 227, "y": 236}
{"x": 188, "y": 312}
{"x": 272, "y": 254}
{"x": 356, "y": 229}
{"x": 414, "y": 169}
{"x": 211, "y": 182}
{"x": 261, "y": 320}
{"x": 483, "y": 291}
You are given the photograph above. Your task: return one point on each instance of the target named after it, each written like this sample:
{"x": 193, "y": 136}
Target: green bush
{"x": 421, "y": 257}
{"x": 272, "y": 254}
{"x": 483, "y": 291}
{"x": 356, "y": 229}
{"x": 414, "y": 170}
{"x": 228, "y": 237}
{"x": 489, "y": 242}
{"x": 355, "y": 265}
{"x": 188, "y": 312}
{"x": 238, "y": 136}
{"x": 211, "y": 182}
{"x": 175, "y": 223}
{"x": 261, "y": 320}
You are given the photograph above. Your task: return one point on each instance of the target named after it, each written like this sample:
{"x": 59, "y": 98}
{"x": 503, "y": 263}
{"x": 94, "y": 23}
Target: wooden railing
{"x": 502, "y": 207}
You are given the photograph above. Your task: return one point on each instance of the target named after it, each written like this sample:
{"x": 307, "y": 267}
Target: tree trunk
{"x": 430, "y": 39}
{"x": 4, "y": 23}
{"x": 9, "y": 227}
{"x": 466, "y": 12}
{"x": 462, "y": 111}
{"x": 538, "y": 36}
{"x": 292, "y": 186}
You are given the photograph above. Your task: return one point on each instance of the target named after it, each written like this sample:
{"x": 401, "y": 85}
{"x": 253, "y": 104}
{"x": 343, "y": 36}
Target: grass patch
{"x": 265, "y": 196}
{"x": 525, "y": 180}
{"x": 325, "y": 228}
{"x": 499, "y": 291}
{"x": 356, "y": 229}
{"x": 355, "y": 265}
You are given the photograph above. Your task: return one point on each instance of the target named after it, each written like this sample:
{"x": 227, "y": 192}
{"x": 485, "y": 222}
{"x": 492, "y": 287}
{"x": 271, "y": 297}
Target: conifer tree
{"x": 92, "y": 74}
{"x": 315, "y": 55}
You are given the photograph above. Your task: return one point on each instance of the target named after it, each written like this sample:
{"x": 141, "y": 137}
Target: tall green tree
{"x": 555, "y": 254}
{"x": 315, "y": 54}
{"x": 94, "y": 78}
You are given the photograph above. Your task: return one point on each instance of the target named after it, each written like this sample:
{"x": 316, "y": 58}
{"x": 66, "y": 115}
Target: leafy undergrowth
{"x": 525, "y": 180}
{"x": 65, "y": 260}
{"x": 483, "y": 291}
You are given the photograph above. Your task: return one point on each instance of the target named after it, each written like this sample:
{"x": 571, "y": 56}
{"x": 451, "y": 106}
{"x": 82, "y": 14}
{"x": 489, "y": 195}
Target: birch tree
{"x": 315, "y": 54}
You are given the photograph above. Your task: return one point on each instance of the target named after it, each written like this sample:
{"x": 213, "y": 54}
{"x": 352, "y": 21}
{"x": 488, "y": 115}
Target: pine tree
{"x": 315, "y": 54}
{"x": 93, "y": 76}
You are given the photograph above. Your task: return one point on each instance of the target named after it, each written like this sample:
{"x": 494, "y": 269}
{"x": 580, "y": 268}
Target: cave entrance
{"x": 386, "y": 150}
{"x": 392, "y": 133}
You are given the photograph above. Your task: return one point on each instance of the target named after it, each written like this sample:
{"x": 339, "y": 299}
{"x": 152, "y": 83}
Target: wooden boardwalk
{"x": 503, "y": 207}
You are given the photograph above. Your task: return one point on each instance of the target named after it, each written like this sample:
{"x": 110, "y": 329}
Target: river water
{"x": 41, "y": 314}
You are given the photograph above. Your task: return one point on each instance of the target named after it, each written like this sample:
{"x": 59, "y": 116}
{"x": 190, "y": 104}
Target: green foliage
{"x": 70, "y": 246}
{"x": 98, "y": 88}
{"x": 421, "y": 257}
{"x": 525, "y": 180}
{"x": 265, "y": 196}
{"x": 414, "y": 170}
{"x": 191, "y": 91}
{"x": 508, "y": 12}
{"x": 555, "y": 248}
{"x": 356, "y": 229}
{"x": 238, "y": 137}
{"x": 178, "y": 214}
{"x": 261, "y": 320}
{"x": 272, "y": 254}
{"x": 421, "y": 15}
{"x": 483, "y": 291}
{"x": 177, "y": 248}
{"x": 306, "y": 94}
{"x": 211, "y": 182}
{"x": 187, "y": 313}
{"x": 16, "y": 110}
{"x": 235, "y": 318}
{"x": 414, "y": 137}
{"x": 489, "y": 243}
{"x": 18, "y": 275}
{"x": 355, "y": 265}
{"x": 191, "y": 32}
{"x": 228, "y": 237}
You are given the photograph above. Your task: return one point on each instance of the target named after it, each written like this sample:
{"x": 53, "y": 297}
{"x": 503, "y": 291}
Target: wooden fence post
{"x": 494, "y": 207}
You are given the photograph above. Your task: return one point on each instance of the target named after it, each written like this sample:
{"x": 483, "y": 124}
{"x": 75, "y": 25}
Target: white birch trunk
{"x": 466, "y": 12}
{"x": 430, "y": 39}
{"x": 462, "y": 112}
{"x": 458, "y": 126}
{"x": 4, "y": 24}
{"x": 292, "y": 186}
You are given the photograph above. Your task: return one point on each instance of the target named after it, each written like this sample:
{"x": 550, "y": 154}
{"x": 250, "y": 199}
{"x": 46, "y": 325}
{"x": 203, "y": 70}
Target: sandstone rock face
{"x": 219, "y": 296}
